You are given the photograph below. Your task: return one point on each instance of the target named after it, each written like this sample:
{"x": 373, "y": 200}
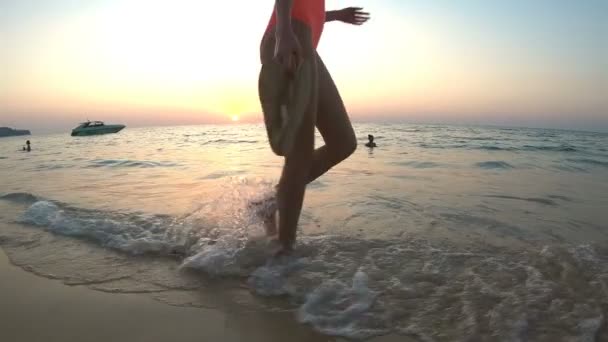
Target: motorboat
{"x": 95, "y": 128}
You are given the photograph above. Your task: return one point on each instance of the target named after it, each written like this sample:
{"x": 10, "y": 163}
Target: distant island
{"x": 9, "y": 132}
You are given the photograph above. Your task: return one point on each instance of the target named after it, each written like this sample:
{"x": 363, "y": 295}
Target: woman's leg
{"x": 333, "y": 124}
{"x": 292, "y": 185}
{"x": 340, "y": 141}
{"x": 296, "y": 170}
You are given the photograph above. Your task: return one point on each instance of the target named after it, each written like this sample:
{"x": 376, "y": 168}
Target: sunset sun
{"x": 235, "y": 118}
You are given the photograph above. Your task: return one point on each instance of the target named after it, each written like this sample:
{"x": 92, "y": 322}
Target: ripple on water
{"x": 229, "y": 141}
{"x": 418, "y": 164}
{"x": 558, "y": 148}
{"x": 19, "y": 197}
{"x": 494, "y": 165}
{"x": 544, "y": 201}
{"x": 222, "y": 174}
{"x": 129, "y": 163}
{"x": 493, "y": 148}
{"x": 589, "y": 161}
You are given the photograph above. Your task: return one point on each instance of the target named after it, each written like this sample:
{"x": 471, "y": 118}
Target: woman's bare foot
{"x": 277, "y": 248}
{"x": 283, "y": 250}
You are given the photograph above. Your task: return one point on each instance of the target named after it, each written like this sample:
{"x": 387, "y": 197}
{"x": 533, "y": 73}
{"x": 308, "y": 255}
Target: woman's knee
{"x": 349, "y": 146}
{"x": 352, "y": 145}
{"x": 344, "y": 147}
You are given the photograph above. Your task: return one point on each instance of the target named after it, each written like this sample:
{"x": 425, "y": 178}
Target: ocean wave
{"x": 229, "y": 141}
{"x": 338, "y": 308}
{"x": 569, "y": 168}
{"x": 589, "y": 161}
{"x": 464, "y": 145}
{"x": 130, "y": 163}
{"x": 443, "y": 146}
{"x": 222, "y": 174}
{"x": 19, "y": 197}
{"x": 562, "y": 198}
{"x": 418, "y": 164}
{"x": 493, "y": 148}
{"x": 544, "y": 201}
{"x": 498, "y": 165}
{"x": 137, "y": 233}
{"x": 47, "y": 167}
{"x": 476, "y": 138}
{"x": 134, "y": 234}
{"x": 409, "y": 130}
{"x": 560, "y": 148}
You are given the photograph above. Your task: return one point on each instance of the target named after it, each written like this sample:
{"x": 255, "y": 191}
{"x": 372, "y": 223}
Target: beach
{"x": 441, "y": 233}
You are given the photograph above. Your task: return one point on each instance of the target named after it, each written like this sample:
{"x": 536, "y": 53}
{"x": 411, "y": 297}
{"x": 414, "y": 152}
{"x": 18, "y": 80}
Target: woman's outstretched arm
{"x": 350, "y": 15}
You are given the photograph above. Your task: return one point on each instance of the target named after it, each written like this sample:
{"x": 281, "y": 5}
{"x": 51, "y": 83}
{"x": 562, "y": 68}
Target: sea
{"x": 440, "y": 233}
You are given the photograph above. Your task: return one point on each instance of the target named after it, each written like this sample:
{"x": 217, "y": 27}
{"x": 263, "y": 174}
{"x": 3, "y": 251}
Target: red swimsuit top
{"x": 310, "y": 12}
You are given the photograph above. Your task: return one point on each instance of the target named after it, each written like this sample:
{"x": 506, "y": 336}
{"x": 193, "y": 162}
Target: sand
{"x": 39, "y": 309}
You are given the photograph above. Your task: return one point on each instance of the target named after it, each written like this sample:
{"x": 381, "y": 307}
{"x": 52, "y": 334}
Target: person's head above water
{"x": 371, "y": 142}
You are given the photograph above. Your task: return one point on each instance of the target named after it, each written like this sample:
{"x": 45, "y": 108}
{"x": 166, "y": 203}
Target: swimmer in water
{"x": 291, "y": 38}
{"x": 371, "y": 142}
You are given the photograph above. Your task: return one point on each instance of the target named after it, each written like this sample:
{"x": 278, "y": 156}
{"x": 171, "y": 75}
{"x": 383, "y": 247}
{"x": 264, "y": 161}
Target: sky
{"x": 540, "y": 63}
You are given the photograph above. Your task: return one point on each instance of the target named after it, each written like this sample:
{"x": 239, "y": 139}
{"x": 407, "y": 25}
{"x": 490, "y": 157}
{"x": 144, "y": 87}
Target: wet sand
{"x": 39, "y": 309}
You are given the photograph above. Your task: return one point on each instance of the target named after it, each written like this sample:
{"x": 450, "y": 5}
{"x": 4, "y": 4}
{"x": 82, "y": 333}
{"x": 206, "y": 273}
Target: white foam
{"x": 42, "y": 213}
{"x": 124, "y": 235}
{"x": 588, "y": 328}
{"x": 272, "y": 279}
{"x": 213, "y": 234}
{"x": 584, "y": 254}
{"x": 336, "y": 308}
{"x": 214, "y": 260}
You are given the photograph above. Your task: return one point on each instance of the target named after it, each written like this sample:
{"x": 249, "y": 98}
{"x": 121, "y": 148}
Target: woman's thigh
{"x": 332, "y": 119}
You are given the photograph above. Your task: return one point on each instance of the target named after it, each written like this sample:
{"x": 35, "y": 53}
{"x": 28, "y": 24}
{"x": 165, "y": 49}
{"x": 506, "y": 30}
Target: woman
{"x": 290, "y": 40}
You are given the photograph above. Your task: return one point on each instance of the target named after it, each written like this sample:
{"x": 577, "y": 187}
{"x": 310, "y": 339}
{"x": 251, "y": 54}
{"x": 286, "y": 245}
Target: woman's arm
{"x": 283, "y": 9}
{"x": 332, "y": 16}
{"x": 287, "y": 50}
{"x": 350, "y": 15}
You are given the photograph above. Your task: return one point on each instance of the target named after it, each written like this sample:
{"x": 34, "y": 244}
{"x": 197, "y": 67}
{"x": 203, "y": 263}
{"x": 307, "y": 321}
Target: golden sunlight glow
{"x": 172, "y": 56}
{"x": 197, "y": 61}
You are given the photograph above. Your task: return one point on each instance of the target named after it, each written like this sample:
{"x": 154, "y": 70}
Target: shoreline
{"x": 40, "y": 309}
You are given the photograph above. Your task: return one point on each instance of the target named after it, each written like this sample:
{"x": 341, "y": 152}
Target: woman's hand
{"x": 287, "y": 50}
{"x": 352, "y": 15}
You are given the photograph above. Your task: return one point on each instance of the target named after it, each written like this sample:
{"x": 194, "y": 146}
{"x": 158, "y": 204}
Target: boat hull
{"x": 97, "y": 130}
